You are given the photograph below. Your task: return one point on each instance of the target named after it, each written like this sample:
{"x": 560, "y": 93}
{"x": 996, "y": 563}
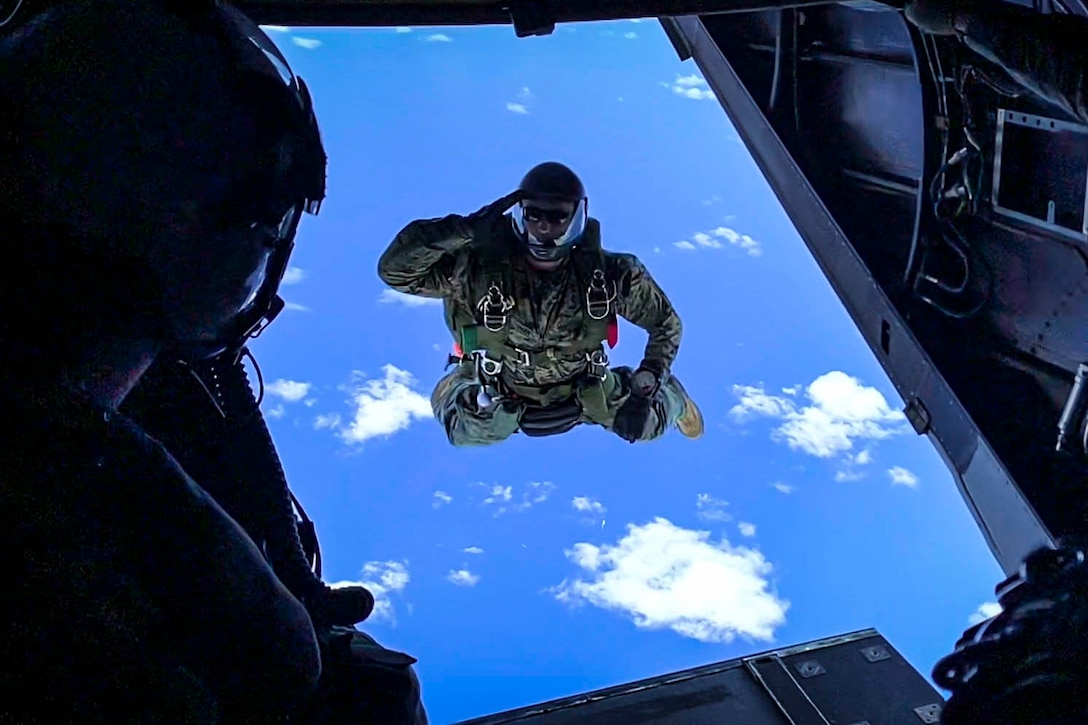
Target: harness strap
{"x": 541, "y": 421}
{"x": 484, "y": 328}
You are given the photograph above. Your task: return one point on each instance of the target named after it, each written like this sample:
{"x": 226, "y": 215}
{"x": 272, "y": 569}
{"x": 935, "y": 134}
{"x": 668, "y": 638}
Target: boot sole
{"x": 690, "y": 423}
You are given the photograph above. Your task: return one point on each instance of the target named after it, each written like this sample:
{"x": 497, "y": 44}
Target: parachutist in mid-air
{"x": 531, "y": 298}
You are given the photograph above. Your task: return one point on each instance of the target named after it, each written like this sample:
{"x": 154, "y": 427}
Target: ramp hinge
{"x": 530, "y": 18}
{"x": 918, "y": 416}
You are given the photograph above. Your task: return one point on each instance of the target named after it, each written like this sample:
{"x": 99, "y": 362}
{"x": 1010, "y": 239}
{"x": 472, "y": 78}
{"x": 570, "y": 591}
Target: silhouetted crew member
{"x": 155, "y": 162}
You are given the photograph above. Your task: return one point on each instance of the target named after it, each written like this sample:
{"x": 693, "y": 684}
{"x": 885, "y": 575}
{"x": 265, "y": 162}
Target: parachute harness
{"x": 494, "y": 307}
{"x": 480, "y": 326}
{"x": 600, "y": 292}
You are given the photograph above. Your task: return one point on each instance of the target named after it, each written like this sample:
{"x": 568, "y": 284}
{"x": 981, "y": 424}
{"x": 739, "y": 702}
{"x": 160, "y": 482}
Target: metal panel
{"x": 544, "y": 13}
{"x": 864, "y": 681}
{"x": 1021, "y": 140}
{"x": 1009, "y": 524}
{"x": 852, "y": 679}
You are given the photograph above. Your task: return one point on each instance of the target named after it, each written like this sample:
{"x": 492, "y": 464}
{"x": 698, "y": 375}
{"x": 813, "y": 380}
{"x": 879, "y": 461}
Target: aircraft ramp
{"x": 852, "y": 679}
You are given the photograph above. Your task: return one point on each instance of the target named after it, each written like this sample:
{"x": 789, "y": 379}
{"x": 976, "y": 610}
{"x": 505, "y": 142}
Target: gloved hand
{"x": 480, "y": 223}
{"x": 342, "y": 606}
{"x": 937, "y": 17}
{"x": 630, "y": 421}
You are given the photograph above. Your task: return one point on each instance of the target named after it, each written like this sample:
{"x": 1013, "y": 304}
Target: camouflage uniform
{"x": 542, "y": 331}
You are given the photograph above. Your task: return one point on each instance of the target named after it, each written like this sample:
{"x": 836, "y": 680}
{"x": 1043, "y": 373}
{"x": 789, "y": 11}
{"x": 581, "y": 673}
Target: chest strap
{"x": 486, "y": 331}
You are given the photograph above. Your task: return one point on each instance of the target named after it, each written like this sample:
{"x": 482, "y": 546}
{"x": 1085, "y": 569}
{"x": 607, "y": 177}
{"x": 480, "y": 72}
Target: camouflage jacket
{"x": 439, "y": 258}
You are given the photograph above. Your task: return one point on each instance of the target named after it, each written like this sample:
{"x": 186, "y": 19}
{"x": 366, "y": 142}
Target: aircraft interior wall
{"x": 993, "y": 289}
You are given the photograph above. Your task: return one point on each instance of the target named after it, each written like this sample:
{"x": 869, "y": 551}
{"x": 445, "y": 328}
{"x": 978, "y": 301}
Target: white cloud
{"x": 662, "y": 576}
{"x": 538, "y": 492}
{"x": 383, "y": 407}
{"x": 586, "y": 504}
{"x": 842, "y": 411}
{"x": 518, "y": 108}
{"x": 499, "y": 494}
{"x": 902, "y": 477}
{"x": 711, "y": 508}
{"x": 737, "y": 239}
{"x": 382, "y": 579}
{"x": 850, "y": 470}
{"x": 717, "y": 238}
{"x": 630, "y": 36}
{"x": 440, "y": 498}
{"x": 984, "y": 612}
{"x": 746, "y": 529}
{"x": 275, "y": 28}
{"x": 692, "y": 81}
{"x": 504, "y": 499}
{"x": 308, "y": 43}
{"x": 783, "y": 487}
{"x": 291, "y": 391}
{"x": 525, "y": 94}
{"x": 692, "y": 87}
{"x": 474, "y": 550}
{"x": 439, "y": 38}
{"x": 703, "y": 239}
{"x": 293, "y": 275}
{"x": 463, "y": 578}
{"x": 326, "y": 421}
{"x": 277, "y": 412}
{"x": 389, "y": 296}
{"x": 403, "y": 29}
{"x": 294, "y": 306}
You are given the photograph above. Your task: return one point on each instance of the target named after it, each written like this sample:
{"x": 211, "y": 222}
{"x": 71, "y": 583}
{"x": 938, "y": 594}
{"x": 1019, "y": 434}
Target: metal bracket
{"x": 809, "y": 668}
{"x": 493, "y": 308}
{"x": 601, "y": 292}
{"x": 929, "y": 713}
{"x": 918, "y": 416}
{"x": 875, "y": 653}
{"x": 529, "y": 18}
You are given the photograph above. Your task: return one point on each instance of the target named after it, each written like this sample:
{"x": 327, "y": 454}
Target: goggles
{"x": 526, "y": 213}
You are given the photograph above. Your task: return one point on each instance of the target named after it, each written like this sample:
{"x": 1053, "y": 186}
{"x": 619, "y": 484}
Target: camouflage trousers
{"x": 456, "y": 407}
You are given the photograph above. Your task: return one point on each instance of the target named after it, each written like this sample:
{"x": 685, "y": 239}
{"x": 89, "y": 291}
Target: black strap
{"x": 307, "y": 534}
{"x": 541, "y": 421}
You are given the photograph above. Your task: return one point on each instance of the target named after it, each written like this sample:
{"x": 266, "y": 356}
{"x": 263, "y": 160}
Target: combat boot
{"x": 690, "y": 422}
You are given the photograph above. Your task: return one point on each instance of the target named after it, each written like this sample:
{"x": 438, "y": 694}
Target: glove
{"x": 631, "y": 418}
{"x": 480, "y": 223}
{"x": 342, "y": 606}
{"x": 936, "y": 17}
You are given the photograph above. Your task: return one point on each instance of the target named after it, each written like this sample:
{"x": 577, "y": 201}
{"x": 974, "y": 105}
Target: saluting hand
{"x": 482, "y": 222}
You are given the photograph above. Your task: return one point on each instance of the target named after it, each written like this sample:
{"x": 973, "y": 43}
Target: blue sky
{"x": 534, "y": 569}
